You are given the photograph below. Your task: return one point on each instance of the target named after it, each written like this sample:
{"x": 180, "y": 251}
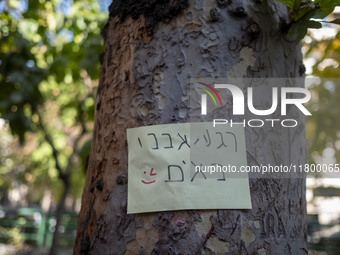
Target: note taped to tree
{"x": 187, "y": 166}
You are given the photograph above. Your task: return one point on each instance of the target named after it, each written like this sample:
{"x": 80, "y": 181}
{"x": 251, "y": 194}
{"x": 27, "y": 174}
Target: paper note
{"x": 187, "y": 166}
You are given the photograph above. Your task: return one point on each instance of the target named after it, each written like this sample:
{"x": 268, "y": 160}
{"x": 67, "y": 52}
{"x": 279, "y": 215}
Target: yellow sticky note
{"x": 187, "y": 166}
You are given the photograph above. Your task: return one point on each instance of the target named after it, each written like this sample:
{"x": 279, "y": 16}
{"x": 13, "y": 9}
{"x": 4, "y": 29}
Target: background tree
{"x": 323, "y": 128}
{"x": 151, "y": 50}
{"x": 49, "y": 70}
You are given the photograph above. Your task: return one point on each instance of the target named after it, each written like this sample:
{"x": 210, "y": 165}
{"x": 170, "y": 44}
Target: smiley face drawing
{"x": 151, "y": 174}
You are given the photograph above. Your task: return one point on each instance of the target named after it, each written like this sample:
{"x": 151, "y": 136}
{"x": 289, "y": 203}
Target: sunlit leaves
{"x": 46, "y": 41}
{"x": 49, "y": 62}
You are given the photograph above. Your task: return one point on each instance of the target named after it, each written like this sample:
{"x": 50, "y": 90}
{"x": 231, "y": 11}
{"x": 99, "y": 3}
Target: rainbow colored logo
{"x": 204, "y": 99}
{"x": 209, "y": 93}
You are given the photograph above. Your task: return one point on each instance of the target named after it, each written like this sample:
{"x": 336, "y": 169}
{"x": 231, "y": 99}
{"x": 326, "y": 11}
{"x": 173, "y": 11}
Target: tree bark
{"x": 150, "y": 53}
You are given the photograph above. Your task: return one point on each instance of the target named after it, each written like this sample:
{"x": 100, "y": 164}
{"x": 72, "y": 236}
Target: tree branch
{"x": 74, "y": 152}
{"x": 50, "y": 142}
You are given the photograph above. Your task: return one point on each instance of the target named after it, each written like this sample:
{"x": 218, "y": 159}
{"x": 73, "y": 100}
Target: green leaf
{"x": 297, "y": 4}
{"x": 303, "y": 12}
{"x": 327, "y": 4}
{"x": 299, "y": 29}
{"x": 325, "y": 7}
{"x": 336, "y": 21}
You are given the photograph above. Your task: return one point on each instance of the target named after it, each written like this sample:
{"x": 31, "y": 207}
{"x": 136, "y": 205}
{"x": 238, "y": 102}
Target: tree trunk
{"x": 151, "y": 51}
{"x": 59, "y": 215}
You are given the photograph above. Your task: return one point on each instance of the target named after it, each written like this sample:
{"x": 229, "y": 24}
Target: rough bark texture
{"x": 145, "y": 73}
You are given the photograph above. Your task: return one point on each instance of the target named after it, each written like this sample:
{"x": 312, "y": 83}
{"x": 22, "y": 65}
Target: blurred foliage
{"x": 12, "y": 234}
{"x": 49, "y": 70}
{"x": 323, "y": 127}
